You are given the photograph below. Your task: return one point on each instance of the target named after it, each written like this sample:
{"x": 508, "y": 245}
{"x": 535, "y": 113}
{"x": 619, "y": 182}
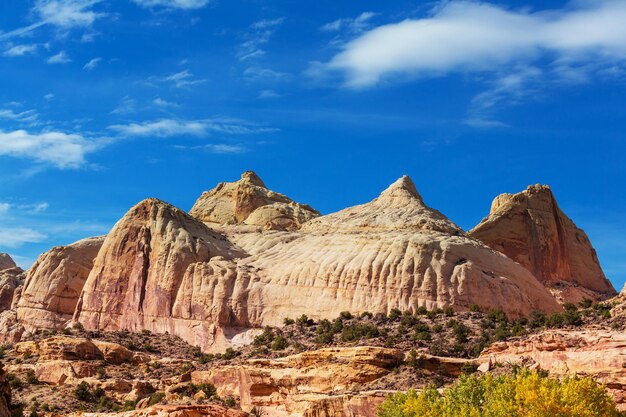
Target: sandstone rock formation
{"x": 530, "y": 228}
{"x": 6, "y": 262}
{"x": 10, "y": 280}
{"x": 54, "y": 283}
{"x": 5, "y": 394}
{"x": 597, "y": 353}
{"x": 307, "y": 384}
{"x": 248, "y": 201}
{"x": 162, "y": 270}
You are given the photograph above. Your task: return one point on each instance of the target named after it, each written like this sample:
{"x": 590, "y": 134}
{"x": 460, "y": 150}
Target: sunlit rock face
{"x": 163, "y": 270}
{"x": 54, "y": 283}
{"x": 530, "y": 228}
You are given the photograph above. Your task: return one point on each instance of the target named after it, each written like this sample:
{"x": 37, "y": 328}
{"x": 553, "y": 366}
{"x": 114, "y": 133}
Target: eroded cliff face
{"x": 54, "y": 283}
{"x": 597, "y": 353}
{"x": 162, "y": 270}
{"x": 530, "y": 228}
{"x": 248, "y": 201}
{"x": 317, "y": 383}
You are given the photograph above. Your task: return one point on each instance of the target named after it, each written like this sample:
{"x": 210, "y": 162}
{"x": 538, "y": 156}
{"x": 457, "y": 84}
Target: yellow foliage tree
{"x": 523, "y": 394}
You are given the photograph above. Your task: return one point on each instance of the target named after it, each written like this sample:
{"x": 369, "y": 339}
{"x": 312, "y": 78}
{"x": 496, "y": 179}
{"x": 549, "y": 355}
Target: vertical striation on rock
{"x": 54, "y": 283}
{"x": 530, "y": 228}
{"x": 154, "y": 272}
{"x": 248, "y": 201}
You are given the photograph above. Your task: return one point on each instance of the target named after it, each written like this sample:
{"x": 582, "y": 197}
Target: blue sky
{"x": 104, "y": 103}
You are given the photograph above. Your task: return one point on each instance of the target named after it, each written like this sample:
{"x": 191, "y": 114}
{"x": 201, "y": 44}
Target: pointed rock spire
{"x": 6, "y": 262}
{"x": 250, "y": 177}
{"x": 403, "y": 187}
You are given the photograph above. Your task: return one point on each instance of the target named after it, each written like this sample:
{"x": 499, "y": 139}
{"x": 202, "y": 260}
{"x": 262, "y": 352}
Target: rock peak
{"x": 403, "y": 187}
{"x": 251, "y": 177}
{"x": 6, "y": 262}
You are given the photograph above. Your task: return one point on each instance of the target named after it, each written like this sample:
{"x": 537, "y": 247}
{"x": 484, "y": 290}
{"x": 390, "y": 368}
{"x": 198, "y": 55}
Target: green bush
{"x": 524, "y": 394}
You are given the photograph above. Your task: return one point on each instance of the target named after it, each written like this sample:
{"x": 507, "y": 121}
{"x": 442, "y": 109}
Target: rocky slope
{"x": 248, "y": 201}
{"x": 530, "y": 228}
{"x": 6, "y": 262}
{"x": 162, "y": 270}
{"x": 54, "y": 283}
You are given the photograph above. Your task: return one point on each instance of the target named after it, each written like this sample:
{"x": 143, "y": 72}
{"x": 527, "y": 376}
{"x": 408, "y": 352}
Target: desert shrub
{"x": 15, "y": 382}
{"x": 304, "y": 321}
{"x": 524, "y": 394}
{"x": 82, "y": 392}
{"x": 421, "y": 311}
{"x": 449, "y": 311}
{"x": 31, "y": 378}
{"x": 395, "y": 314}
{"x": 346, "y": 315}
{"x": 230, "y": 402}
{"x": 537, "y": 319}
{"x": 265, "y": 338}
{"x": 78, "y": 326}
{"x": 474, "y": 308}
{"x": 367, "y": 315}
{"x": 280, "y": 343}
{"x": 359, "y": 331}
{"x": 288, "y": 322}
{"x": 229, "y": 354}
{"x": 156, "y": 398}
{"x": 585, "y": 303}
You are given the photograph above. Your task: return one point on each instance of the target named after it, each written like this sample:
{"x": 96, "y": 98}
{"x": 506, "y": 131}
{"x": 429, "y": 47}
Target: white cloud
{"x": 183, "y": 79}
{"x": 20, "y": 50}
{"x": 260, "y": 33}
{"x": 37, "y": 208}
{"x": 164, "y": 104}
{"x": 217, "y": 148}
{"x": 127, "y": 105}
{"x": 64, "y": 14}
{"x": 60, "y": 58}
{"x": 92, "y": 64}
{"x": 48, "y": 96}
{"x": 27, "y": 116}
{"x": 265, "y": 74}
{"x": 465, "y": 36}
{"x": 4, "y": 208}
{"x": 51, "y": 148}
{"x": 16, "y": 237}
{"x": 172, "y": 127}
{"x": 173, "y": 4}
{"x": 354, "y": 25}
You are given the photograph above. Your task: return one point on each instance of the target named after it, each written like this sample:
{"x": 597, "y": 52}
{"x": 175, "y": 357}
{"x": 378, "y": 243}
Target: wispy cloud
{"x": 4, "y": 208}
{"x": 26, "y": 116}
{"x": 216, "y": 148}
{"x": 127, "y": 106}
{"x": 63, "y": 14}
{"x": 354, "y": 25}
{"x": 16, "y": 237}
{"x": 465, "y": 36}
{"x": 60, "y": 58}
{"x": 259, "y": 34}
{"x": 92, "y": 64}
{"x": 266, "y": 94}
{"x": 264, "y": 74}
{"x": 173, "y": 4}
{"x": 164, "y": 104}
{"x": 58, "y": 149}
{"x": 20, "y": 50}
{"x": 183, "y": 79}
{"x": 173, "y": 127}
